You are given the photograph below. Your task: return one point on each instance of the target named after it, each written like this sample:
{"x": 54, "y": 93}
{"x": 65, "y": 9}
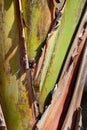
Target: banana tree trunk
{"x": 13, "y": 89}
{"x": 37, "y": 17}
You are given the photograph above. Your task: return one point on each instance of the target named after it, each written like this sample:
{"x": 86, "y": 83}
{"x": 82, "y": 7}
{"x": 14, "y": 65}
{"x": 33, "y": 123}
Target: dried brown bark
{"x": 2, "y": 120}
{"x": 77, "y": 95}
{"x": 51, "y": 119}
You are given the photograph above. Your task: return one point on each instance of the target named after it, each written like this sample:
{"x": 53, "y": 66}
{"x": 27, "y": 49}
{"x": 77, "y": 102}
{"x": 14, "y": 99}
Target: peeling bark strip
{"x": 58, "y": 15}
{"x": 40, "y": 66}
{"x": 23, "y": 48}
{"x": 25, "y": 64}
{"x": 78, "y": 123}
{"x": 2, "y": 121}
{"x": 77, "y": 95}
{"x": 60, "y": 97}
{"x": 76, "y": 120}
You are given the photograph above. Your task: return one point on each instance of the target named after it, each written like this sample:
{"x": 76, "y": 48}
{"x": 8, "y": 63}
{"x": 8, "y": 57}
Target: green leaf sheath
{"x": 58, "y": 46}
{"x": 37, "y": 16}
{"x": 13, "y": 92}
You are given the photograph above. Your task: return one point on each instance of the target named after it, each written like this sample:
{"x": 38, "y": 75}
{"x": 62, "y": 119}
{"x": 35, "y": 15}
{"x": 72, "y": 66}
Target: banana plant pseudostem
{"x": 36, "y": 37}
